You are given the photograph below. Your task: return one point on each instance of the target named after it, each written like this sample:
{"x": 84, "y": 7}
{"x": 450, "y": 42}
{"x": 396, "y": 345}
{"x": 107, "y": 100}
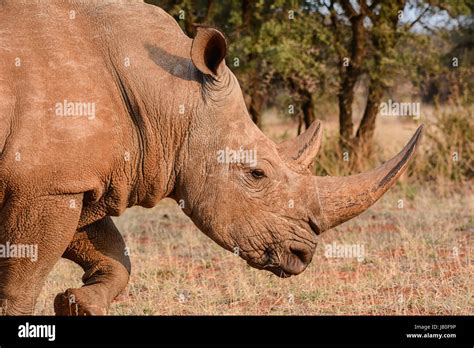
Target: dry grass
{"x": 417, "y": 261}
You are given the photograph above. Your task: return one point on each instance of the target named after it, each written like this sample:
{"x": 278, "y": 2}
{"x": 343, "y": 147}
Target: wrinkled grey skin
{"x": 165, "y": 106}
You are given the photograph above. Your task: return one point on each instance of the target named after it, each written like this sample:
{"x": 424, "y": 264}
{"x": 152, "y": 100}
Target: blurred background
{"x": 338, "y": 61}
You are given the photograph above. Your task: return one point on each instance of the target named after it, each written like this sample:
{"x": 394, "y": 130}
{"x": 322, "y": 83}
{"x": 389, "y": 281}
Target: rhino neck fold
{"x": 157, "y": 140}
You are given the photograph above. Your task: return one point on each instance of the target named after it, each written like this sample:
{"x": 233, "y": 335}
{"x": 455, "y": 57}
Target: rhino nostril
{"x": 304, "y": 255}
{"x": 314, "y": 227}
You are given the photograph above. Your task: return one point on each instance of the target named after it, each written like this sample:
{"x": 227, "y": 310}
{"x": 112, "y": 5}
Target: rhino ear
{"x": 208, "y": 51}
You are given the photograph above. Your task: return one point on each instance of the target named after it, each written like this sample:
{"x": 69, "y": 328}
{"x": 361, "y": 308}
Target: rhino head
{"x": 257, "y": 198}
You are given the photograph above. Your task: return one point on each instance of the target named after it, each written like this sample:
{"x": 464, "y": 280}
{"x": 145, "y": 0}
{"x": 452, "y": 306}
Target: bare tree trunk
{"x": 306, "y": 116}
{"x": 191, "y": 19}
{"x": 246, "y": 7}
{"x": 308, "y": 109}
{"x": 384, "y": 38}
{"x": 255, "y": 99}
{"x": 255, "y": 110}
{"x": 350, "y": 71}
{"x": 346, "y": 97}
{"x": 300, "y": 125}
{"x": 208, "y": 11}
{"x": 254, "y": 102}
{"x": 365, "y": 132}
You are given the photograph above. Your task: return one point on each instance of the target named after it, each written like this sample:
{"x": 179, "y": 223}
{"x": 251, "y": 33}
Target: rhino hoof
{"x": 73, "y": 303}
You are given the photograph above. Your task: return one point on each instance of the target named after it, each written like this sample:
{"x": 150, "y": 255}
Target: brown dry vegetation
{"x": 417, "y": 258}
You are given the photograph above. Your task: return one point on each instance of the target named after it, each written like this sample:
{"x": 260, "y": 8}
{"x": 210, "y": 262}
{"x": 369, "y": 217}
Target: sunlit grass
{"x": 418, "y": 261}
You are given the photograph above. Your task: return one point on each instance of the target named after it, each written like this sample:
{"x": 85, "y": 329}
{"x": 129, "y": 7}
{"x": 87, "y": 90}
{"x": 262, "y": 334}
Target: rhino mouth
{"x": 280, "y": 272}
{"x": 285, "y": 267}
{"x": 276, "y": 270}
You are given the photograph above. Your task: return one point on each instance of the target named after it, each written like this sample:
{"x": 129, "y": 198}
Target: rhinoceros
{"x": 109, "y": 105}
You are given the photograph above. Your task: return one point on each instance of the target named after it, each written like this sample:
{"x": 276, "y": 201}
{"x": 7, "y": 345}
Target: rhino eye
{"x": 257, "y": 173}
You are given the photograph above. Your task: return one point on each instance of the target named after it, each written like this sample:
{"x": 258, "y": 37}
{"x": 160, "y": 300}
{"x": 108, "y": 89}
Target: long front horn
{"x": 303, "y": 149}
{"x": 342, "y": 198}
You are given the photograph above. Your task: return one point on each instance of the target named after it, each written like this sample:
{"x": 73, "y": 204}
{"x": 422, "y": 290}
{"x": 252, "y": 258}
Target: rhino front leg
{"x": 100, "y": 250}
{"x": 34, "y": 232}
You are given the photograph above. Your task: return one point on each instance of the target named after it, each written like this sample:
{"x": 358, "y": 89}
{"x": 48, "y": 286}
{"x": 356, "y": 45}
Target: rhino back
{"x": 53, "y": 60}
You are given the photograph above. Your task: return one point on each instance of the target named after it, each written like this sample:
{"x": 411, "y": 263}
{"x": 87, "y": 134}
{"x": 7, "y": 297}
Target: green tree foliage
{"x": 317, "y": 49}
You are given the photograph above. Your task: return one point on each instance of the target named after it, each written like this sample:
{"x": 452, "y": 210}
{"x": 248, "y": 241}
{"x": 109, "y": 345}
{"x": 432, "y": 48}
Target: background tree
{"x": 324, "y": 49}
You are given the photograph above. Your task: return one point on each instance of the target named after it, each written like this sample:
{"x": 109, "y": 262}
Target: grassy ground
{"x": 417, "y": 259}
